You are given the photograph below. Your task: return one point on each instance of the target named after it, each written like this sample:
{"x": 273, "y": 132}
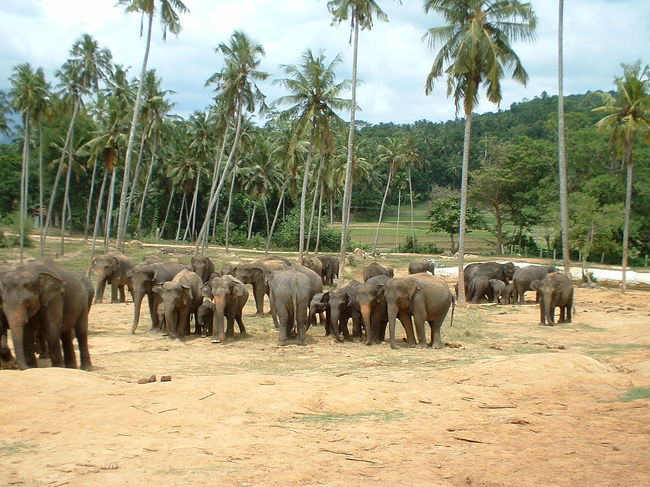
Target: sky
{"x": 394, "y": 61}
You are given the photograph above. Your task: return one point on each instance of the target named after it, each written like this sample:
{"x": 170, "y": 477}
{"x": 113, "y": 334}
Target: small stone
{"x": 166, "y": 378}
{"x": 152, "y": 379}
{"x": 143, "y": 381}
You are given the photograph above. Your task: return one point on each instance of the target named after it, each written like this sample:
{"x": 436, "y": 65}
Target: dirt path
{"x": 508, "y": 403}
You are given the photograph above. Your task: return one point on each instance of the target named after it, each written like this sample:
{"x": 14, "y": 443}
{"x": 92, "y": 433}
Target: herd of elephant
{"x": 45, "y": 305}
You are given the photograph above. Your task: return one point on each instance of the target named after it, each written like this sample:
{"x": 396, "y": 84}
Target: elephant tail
{"x": 453, "y": 308}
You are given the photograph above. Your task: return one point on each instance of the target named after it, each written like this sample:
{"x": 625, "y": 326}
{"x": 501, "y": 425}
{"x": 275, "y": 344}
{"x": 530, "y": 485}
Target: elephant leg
{"x": 43, "y": 350}
{"x": 258, "y": 292}
{"x": 131, "y": 292}
{"x": 69, "y": 357}
{"x": 407, "y": 323}
{"x": 28, "y": 346}
{"x": 114, "y": 287}
{"x": 5, "y": 351}
{"x": 419, "y": 319}
{"x": 436, "y": 341}
{"x": 356, "y": 328}
{"x": 569, "y": 311}
{"x": 230, "y": 324}
{"x": 284, "y": 318}
{"x": 53, "y": 337}
{"x": 242, "y": 328}
{"x": 122, "y": 293}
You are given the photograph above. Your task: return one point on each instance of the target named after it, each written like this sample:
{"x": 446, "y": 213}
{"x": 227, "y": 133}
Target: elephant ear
{"x": 157, "y": 288}
{"x": 116, "y": 262}
{"x": 206, "y": 290}
{"x": 238, "y": 290}
{"x": 189, "y": 290}
{"x": 413, "y": 288}
{"x": 326, "y": 298}
{"x": 536, "y": 285}
{"x": 380, "y": 292}
{"x": 51, "y": 288}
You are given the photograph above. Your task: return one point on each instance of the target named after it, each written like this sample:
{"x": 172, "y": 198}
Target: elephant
{"x": 227, "y": 269}
{"x": 112, "y": 267}
{"x": 204, "y": 317}
{"x": 143, "y": 276}
{"x": 255, "y": 273}
{"x": 372, "y": 304}
{"x": 422, "y": 265}
{"x": 498, "y": 287}
{"x": 290, "y": 296}
{"x": 315, "y": 286}
{"x": 314, "y": 264}
{"x": 420, "y": 297}
{"x": 556, "y": 290}
{"x": 229, "y": 296}
{"x": 319, "y": 308}
{"x": 375, "y": 269}
{"x": 343, "y": 305}
{"x": 479, "y": 287}
{"x": 492, "y": 270}
{"x": 330, "y": 269}
{"x": 507, "y": 293}
{"x": 42, "y": 296}
{"x": 181, "y": 297}
{"x": 524, "y": 276}
{"x": 203, "y": 266}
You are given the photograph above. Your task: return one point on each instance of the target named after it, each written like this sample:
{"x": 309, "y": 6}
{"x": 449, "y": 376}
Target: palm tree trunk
{"x": 347, "y": 193}
{"x": 303, "y": 196}
{"x": 266, "y": 217}
{"x": 109, "y": 209}
{"x": 121, "y": 219}
{"x": 381, "y": 210}
{"x": 58, "y": 176}
{"x": 250, "y": 224}
{"x": 562, "y": 163}
{"x": 136, "y": 177}
{"x": 96, "y": 227}
{"x": 90, "y": 200}
{"x": 202, "y": 240}
{"x": 412, "y": 218}
{"x": 463, "y": 209}
{"x": 138, "y": 227}
{"x": 320, "y": 208}
{"x": 192, "y": 217}
{"x": 399, "y": 204}
{"x": 232, "y": 190}
{"x": 313, "y": 202}
{"x": 215, "y": 179}
{"x": 169, "y": 205}
{"x": 66, "y": 193}
{"x": 628, "y": 211}
{"x": 180, "y": 217}
{"x": 23, "y": 186}
{"x": 40, "y": 174}
{"x": 275, "y": 218}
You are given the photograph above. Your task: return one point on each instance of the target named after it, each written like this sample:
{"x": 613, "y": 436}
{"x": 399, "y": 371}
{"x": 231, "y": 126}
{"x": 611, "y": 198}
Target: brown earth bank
{"x": 506, "y": 403}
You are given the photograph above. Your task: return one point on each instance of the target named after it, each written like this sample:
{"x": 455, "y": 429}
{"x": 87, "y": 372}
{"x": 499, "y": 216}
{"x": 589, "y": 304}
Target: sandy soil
{"x": 506, "y": 403}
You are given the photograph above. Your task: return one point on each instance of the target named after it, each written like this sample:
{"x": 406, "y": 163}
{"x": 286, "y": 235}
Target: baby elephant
{"x": 556, "y": 290}
{"x": 498, "y": 290}
{"x": 204, "y": 317}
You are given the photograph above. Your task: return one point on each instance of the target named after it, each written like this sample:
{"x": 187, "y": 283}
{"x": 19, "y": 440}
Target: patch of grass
{"x": 635, "y": 393}
{"x": 15, "y": 448}
{"x": 384, "y": 416}
{"x": 586, "y": 327}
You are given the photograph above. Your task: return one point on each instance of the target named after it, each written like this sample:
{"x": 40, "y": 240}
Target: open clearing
{"x": 506, "y": 403}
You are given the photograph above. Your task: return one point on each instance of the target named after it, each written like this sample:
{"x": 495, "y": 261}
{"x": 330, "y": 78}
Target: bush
{"x": 287, "y": 235}
{"x": 413, "y": 246}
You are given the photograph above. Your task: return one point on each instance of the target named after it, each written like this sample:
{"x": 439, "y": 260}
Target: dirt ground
{"x": 506, "y": 403}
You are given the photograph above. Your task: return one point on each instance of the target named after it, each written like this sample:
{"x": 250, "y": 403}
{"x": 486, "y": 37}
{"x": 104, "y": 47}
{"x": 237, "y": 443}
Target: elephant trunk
{"x": 218, "y": 334}
{"x": 172, "y": 319}
{"x": 548, "y": 309}
{"x": 365, "y": 318}
{"x": 334, "y": 323}
{"x": 101, "y": 285}
{"x": 17, "y": 320}
{"x": 137, "y": 304}
{"x": 392, "y": 316}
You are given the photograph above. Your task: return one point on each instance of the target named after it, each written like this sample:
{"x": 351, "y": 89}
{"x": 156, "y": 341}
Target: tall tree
{"x": 169, "y": 18}
{"x": 628, "y": 118}
{"x": 238, "y": 92}
{"x": 475, "y": 49}
{"x": 314, "y": 98}
{"x": 561, "y": 147}
{"x": 360, "y": 13}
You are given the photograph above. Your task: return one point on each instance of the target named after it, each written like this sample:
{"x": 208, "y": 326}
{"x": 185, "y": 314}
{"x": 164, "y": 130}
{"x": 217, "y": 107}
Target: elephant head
{"x": 203, "y": 266}
{"x": 370, "y": 295}
{"x": 225, "y": 291}
{"x": 105, "y": 266}
{"x": 177, "y": 299}
{"x": 24, "y": 294}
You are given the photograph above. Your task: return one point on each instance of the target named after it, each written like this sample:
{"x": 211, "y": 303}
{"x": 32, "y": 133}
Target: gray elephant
{"x": 343, "y": 305}
{"x": 491, "y": 270}
{"x": 372, "y": 305}
{"x": 524, "y": 276}
{"x": 330, "y": 268}
{"x": 556, "y": 291}
{"x": 229, "y": 296}
{"x": 422, "y": 265}
{"x": 375, "y": 269}
{"x": 319, "y": 308}
{"x": 313, "y": 263}
{"x": 506, "y": 295}
{"x": 181, "y": 297}
{"x": 203, "y": 266}
{"x": 112, "y": 267}
{"x": 478, "y": 288}
{"x": 204, "y": 317}
{"x": 143, "y": 277}
{"x": 256, "y": 273}
{"x": 315, "y": 286}
{"x": 419, "y": 297}
{"x": 290, "y": 296}
{"x": 43, "y": 296}
{"x": 498, "y": 288}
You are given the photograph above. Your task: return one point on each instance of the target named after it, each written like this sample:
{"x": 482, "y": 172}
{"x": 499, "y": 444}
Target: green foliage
{"x": 412, "y": 245}
{"x": 287, "y": 235}
{"x": 635, "y": 393}
{"x": 10, "y": 166}
{"x": 13, "y": 239}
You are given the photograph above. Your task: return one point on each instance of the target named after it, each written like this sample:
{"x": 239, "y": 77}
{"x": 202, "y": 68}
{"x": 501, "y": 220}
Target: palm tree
{"x": 628, "y": 117}
{"x": 562, "y": 162}
{"x": 169, "y": 12}
{"x": 360, "y": 13}
{"x": 4, "y": 109}
{"x": 238, "y": 92}
{"x": 392, "y": 153}
{"x": 476, "y": 50}
{"x": 314, "y": 97}
{"x": 28, "y": 96}
{"x": 88, "y": 65}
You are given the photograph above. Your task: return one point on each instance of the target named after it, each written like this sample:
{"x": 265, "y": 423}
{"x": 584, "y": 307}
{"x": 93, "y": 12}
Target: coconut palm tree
{"x": 87, "y": 67}
{"x": 169, "y": 11}
{"x": 561, "y": 147}
{"x": 628, "y": 118}
{"x": 475, "y": 49}
{"x": 29, "y": 96}
{"x": 238, "y": 92}
{"x": 314, "y": 98}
